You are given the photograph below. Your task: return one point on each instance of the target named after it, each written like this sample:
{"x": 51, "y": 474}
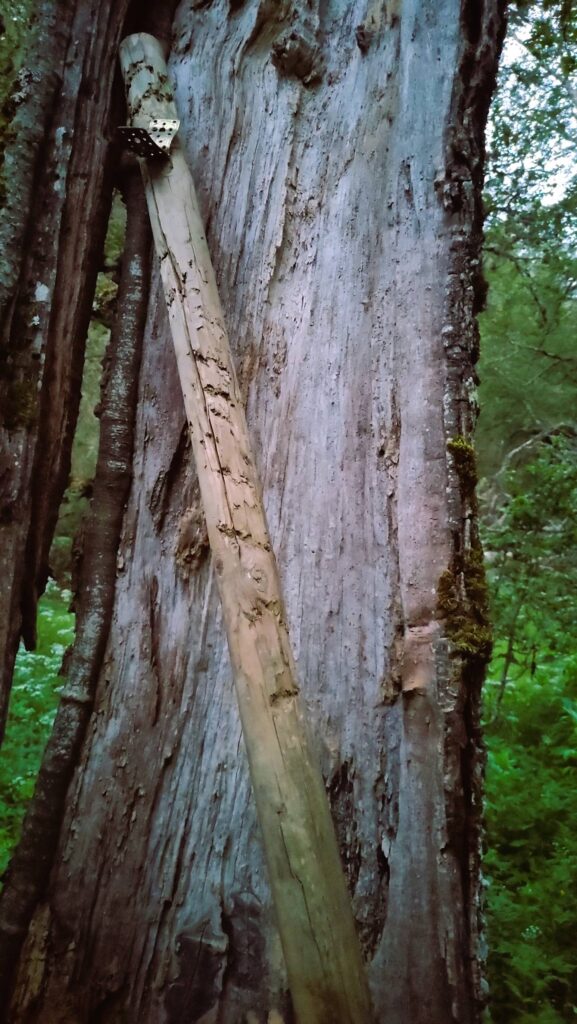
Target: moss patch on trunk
{"x": 463, "y": 605}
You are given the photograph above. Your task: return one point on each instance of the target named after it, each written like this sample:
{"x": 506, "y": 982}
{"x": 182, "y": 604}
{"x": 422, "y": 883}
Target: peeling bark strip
{"x": 30, "y": 866}
{"x": 322, "y": 953}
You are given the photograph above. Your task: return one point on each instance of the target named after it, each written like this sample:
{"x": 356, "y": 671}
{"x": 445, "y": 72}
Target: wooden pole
{"x": 315, "y": 920}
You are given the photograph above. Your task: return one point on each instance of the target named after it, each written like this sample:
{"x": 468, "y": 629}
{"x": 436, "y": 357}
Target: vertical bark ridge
{"x": 446, "y": 608}
{"x": 462, "y": 591}
{"x": 29, "y": 869}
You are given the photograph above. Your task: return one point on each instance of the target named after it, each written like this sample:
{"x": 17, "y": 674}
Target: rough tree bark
{"x": 338, "y": 148}
{"x": 313, "y": 912}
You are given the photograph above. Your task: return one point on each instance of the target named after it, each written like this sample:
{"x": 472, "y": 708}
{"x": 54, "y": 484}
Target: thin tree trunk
{"x": 338, "y": 150}
{"x": 508, "y": 657}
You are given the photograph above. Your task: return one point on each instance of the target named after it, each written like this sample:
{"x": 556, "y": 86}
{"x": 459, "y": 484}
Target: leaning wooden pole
{"x": 321, "y": 949}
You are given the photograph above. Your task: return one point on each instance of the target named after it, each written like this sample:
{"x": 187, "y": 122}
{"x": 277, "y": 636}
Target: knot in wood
{"x": 296, "y": 53}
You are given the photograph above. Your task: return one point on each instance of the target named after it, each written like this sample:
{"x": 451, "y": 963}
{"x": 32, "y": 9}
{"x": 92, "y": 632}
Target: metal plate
{"x": 153, "y": 141}
{"x": 162, "y": 131}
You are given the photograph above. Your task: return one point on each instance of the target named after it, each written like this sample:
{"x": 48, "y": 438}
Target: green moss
{"x": 463, "y": 605}
{"x": 20, "y": 404}
{"x": 33, "y": 704}
{"x": 448, "y": 603}
{"x": 104, "y": 304}
{"x": 475, "y": 579}
{"x": 465, "y": 462}
{"x": 7, "y": 136}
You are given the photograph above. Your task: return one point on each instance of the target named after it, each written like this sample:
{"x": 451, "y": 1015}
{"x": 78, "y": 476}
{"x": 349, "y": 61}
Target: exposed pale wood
{"x": 321, "y": 950}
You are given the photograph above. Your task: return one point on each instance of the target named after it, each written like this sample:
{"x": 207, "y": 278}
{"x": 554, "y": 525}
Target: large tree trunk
{"x": 338, "y": 151}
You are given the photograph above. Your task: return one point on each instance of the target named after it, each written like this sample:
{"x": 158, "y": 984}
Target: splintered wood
{"x": 315, "y": 920}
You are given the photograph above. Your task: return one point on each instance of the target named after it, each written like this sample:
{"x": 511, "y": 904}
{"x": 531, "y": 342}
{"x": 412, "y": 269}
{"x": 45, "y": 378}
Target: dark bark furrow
{"x": 466, "y": 611}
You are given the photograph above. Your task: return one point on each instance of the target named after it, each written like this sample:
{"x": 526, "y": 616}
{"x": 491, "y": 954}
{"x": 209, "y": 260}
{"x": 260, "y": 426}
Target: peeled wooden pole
{"x": 321, "y": 949}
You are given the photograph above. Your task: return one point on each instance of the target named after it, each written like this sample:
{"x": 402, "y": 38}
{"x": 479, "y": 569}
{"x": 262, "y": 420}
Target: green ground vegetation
{"x": 531, "y": 859}
{"x": 531, "y": 732}
{"x": 33, "y": 704}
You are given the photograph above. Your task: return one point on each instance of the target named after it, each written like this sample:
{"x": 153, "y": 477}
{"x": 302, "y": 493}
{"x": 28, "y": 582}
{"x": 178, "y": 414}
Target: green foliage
{"x": 114, "y": 243}
{"x": 532, "y": 545}
{"x": 528, "y": 459}
{"x": 531, "y": 861}
{"x": 14, "y": 23}
{"x": 32, "y": 708}
{"x": 532, "y": 130}
{"x": 531, "y": 711}
{"x": 528, "y": 365}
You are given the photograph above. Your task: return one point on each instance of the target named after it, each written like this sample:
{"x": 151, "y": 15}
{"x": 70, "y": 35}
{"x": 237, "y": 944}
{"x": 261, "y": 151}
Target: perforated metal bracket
{"x": 153, "y": 141}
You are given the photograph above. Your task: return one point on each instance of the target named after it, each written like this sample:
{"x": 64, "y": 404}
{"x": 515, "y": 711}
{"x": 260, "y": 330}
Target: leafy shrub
{"x": 531, "y": 861}
{"x": 32, "y": 708}
{"x": 531, "y": 711}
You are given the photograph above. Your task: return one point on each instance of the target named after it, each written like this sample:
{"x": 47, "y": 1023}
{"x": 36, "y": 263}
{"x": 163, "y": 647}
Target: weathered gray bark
{"x": 321, "y": 950}
{"x": 339, "y": 171}
{"x": 56, "y": 184}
